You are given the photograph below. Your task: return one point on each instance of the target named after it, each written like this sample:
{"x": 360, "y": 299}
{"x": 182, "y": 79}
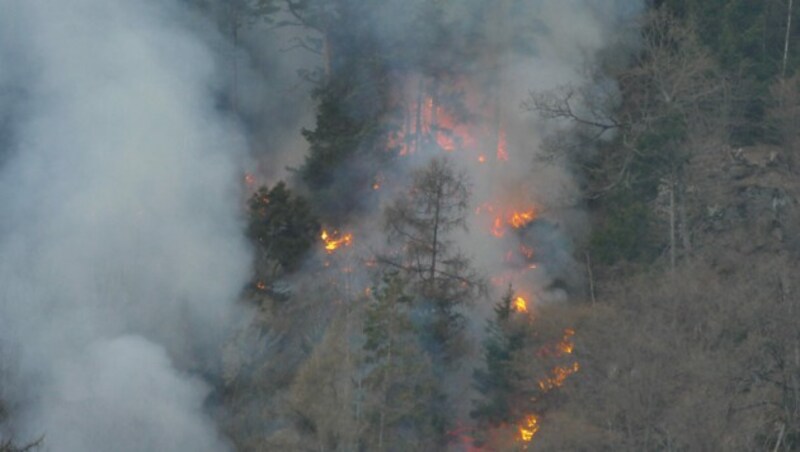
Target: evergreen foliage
{"x": 497, "y": 382}
{"x": 282, "y": 226}
{"x": 401, "y": 390}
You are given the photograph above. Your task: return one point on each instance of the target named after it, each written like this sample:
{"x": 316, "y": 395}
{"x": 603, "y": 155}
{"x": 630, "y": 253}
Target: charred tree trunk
{"x": 686, "y": 242}
{"x": 418, "y": 118}
{"x": 672, "y": 217}
{"x": 786, "y": 38}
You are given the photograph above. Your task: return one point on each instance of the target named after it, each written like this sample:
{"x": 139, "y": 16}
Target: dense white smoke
{"x": 121, "y": 251}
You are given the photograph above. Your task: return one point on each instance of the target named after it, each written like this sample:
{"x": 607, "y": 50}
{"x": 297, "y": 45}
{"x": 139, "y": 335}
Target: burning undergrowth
{"x": 520, "y": 218}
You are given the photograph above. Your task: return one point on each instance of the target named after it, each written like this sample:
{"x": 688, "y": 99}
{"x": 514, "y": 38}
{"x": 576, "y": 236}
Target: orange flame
{"x": 261, "y": 285}
{"x": 529, "y": 428}
{"x": 249, "y": 179}
{"x": 521, "y": 219}
{"x": 558, "y": 376}
{"x": 516, "y": 219}
{"x": 332, "y": 241}
{"x": 521, "y": 304}
{"x": 566, "y": 346}
{"x": 427, "y": 121}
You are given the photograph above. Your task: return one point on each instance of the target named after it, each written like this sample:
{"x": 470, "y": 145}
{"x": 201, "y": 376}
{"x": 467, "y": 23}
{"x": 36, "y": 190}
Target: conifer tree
{"x": 399, "y": 384}
{"x": 421, "y": 224}
{"x": 282, "y": 226}
{"x": 497, "y": 381}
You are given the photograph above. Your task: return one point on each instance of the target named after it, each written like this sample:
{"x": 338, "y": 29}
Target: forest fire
{"x": 502, "y": 146}
{"x": 514, "y": 219}
{"x": 558, "y": 376}
{"x": 519, "y": 220}
{"x": 333, "y": 240}
{"x": 529, "y": 428}
{"x": 526, "y": 251}
{"x": 432, "y": 123}
{"x": 564, "y": 347}
{"x": 432, "y": 118}
{"x": 521, "y": 304}
{"x": 498, "y": 228}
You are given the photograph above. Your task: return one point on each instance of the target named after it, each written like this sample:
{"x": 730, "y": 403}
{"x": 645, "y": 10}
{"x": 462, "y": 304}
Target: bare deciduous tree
{"x": 666, "y": 107}
{"x": 420, "y": 225}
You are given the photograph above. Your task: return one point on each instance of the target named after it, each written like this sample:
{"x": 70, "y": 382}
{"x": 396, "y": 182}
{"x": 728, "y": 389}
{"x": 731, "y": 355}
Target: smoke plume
{"x": 121, "y": 250}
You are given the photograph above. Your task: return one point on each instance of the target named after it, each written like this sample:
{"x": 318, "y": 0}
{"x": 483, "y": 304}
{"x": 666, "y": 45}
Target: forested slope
{"x": 503, "y": 225}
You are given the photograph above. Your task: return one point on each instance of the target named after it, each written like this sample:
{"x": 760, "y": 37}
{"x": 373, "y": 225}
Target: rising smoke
{"x": 120, "y": 247}
{"x": 507, "y": 50}
{"x": 121, "y": 251}
{"x": 515, "y": 48}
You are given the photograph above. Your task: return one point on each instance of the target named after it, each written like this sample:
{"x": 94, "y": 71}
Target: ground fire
{"x": 333, "y": 240}
{"x": 429, "y": 125}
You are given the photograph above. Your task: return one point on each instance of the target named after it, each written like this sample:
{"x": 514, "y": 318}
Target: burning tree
{"x": 497, "y": 381}
{"x": 420, "y": 224}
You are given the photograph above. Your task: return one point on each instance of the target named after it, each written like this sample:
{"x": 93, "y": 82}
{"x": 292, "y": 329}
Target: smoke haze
{"x": 121, "y": 251}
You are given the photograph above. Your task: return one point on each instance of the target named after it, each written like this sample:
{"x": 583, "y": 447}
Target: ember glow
{"x": 526, "y": 251}
{"x": 564, "y": 347}
{"x": 559, "y": 374}
{"x": 431, "y": 122}
{"x": 529, "y": 428}
{"x": 520, "y": 304}
{"x": 502, "y": 146}
{"x": 505, "y": 218}
{"x": 498, "y": 228}
{"x": 519, "y": 220}
{"x": 334, "y": 240}
{"x": 555, "y": 379}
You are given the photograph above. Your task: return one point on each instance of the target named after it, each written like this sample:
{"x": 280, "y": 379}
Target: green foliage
{"x": 367, "y": 58}
{"x": 335, "y": 138}
{"x": 401, "y": 390}
{"x": 496, "y": 383}
{"x": 282, "y": 227}
{"x": 747, "y": 38}
{"x": 624, "y": 232}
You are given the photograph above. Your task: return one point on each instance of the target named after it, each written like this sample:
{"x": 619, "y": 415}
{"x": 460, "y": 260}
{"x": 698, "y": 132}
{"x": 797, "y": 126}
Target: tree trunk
{"x": 420, "y": 109}
{"x": 386, "y": 377}
{"x": 234, "y": 18}
{"x": 435, "y": 240}
{"x": 683, "y": 219}
{"x": 591, "y": 277}
{"x": 672, "y": 238}
{"x": 786, "y": 39}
